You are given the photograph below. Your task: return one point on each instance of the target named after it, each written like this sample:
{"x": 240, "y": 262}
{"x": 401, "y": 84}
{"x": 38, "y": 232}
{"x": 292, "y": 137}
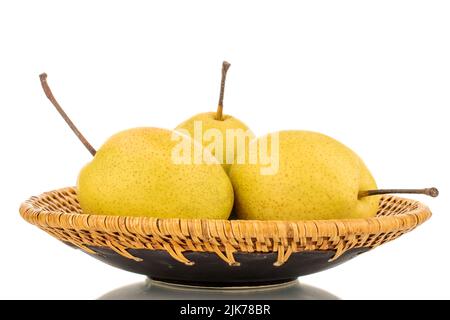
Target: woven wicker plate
{"x": 219, "y": 252}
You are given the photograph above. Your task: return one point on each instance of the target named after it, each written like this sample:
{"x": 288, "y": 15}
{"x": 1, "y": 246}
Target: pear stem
{"x": 72, "y": 126}
{"x": 225, "y": 67}
{"x": 432, "y": 192}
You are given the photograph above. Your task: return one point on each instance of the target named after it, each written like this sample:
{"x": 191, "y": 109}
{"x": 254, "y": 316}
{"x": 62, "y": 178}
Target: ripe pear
{"x": 225, "y": 136}
{"x": 135, "y": 174}
{"x": 317, "y": 177}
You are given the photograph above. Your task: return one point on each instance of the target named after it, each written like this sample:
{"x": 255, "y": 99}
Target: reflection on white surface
{"x": 156, "y": 290}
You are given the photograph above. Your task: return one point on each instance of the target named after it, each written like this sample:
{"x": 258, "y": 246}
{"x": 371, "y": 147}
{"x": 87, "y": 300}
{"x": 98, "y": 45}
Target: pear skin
{"x": 229, "y": 144}
{"x": 317, "y": 178}
{"x": 133, "y": 174}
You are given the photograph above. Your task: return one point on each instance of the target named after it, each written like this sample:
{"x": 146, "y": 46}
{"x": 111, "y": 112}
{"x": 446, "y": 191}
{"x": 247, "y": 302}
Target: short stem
{"x": 432, "y": 192}
{"x": 72, "y": 126}
{"x": 225, "y": 67}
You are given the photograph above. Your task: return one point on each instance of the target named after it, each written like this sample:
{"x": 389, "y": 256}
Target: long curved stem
{"x": 432, "y": 192}
{"x": 72, "y": 126}
{"x": 225, "y": 67}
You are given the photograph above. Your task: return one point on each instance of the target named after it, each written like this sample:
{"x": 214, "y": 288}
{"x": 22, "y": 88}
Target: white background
{"x": 372, "y": 74}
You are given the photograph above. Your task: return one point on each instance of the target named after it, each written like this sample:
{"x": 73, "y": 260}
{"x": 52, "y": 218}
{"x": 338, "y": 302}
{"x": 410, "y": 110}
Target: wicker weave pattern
{"x": 59, "y": 214}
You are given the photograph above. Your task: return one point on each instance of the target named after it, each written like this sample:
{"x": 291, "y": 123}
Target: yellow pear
{"x": 137, "y": 173}
{"x": 225, "y": 136}
{"x": 312, "y": 176}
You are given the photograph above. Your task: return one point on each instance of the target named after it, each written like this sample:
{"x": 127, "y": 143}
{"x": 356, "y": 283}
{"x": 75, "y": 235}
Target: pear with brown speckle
{"x": 135, "y": 174}
{"x": 317, "y": 177}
